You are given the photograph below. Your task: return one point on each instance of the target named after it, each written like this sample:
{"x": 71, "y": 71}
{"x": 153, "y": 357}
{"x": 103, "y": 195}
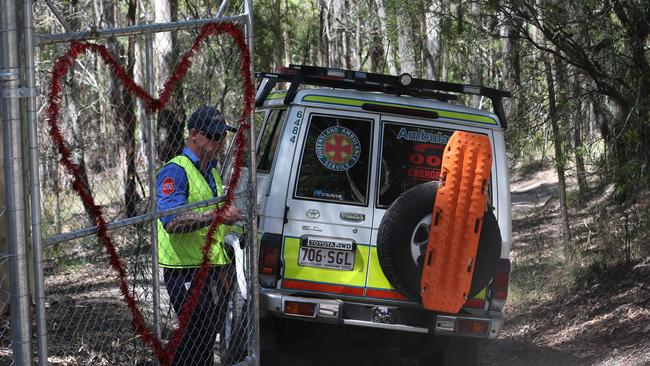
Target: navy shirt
{"x": 173, "y": 187}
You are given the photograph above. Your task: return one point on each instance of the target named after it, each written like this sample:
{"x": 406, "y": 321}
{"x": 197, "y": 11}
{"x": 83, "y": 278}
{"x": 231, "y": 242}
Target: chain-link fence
{"x": 149, "y": 178}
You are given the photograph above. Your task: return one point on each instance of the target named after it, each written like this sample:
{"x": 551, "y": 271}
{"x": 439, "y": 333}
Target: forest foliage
{"x": 579, "y": 72}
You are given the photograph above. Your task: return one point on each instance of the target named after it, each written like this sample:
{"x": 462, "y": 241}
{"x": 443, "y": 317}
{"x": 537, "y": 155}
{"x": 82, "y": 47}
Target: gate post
{"x": 34, "y": 181}
{"x": 252, "y": 197}
{"x": 10, "y": 92}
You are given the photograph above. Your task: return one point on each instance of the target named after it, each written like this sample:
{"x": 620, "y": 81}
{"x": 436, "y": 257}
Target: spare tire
{"x": 403, "y": 235}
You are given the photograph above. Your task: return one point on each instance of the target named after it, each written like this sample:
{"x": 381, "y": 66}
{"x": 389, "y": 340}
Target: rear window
{"x": 335, "y": 163}
{"x": 410, "y": 155}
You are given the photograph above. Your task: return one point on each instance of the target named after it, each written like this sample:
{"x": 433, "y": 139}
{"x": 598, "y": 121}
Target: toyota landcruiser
{"x": 336, "y": 149}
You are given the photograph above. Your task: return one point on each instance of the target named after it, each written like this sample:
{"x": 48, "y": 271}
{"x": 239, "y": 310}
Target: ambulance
{"x": 347, "y": 168}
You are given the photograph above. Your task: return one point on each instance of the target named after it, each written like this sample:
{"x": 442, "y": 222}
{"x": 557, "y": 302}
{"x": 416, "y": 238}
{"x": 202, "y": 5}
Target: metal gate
{"x": 66, "y": 304}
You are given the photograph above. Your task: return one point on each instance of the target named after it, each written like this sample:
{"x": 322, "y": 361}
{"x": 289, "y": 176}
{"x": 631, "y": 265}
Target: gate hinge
{"x": 9, "y": 75}
{"x": 19, "y": 93}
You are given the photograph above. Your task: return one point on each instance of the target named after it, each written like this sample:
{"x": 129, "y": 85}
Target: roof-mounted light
{"x": 405, "y": 79}
{"x": 335, "y": 73}
{"x": 470, "y": 89}
{"x": 360, "y": 77}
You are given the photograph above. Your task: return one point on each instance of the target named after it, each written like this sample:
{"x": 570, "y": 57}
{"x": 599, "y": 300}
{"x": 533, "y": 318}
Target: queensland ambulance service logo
{"x": 338, "y": 148}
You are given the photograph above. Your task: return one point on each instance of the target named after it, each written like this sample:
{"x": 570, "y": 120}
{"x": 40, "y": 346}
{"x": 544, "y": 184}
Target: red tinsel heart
{"x": 164, "y": 353}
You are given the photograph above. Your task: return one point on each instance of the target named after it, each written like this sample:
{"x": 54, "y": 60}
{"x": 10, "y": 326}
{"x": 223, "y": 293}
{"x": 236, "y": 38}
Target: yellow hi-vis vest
{"x": 185, "y": 250}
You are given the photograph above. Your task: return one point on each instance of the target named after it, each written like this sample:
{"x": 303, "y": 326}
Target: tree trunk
{"x": 339, "y": 35}
{"x": 405, "y": 51}
{"x": 71, "y": 96}
{"x": 322, "y": 40}
{"x": 511, "y": 67}
{"x": 286, "y": 42}
{"x": 390, "y": 65}
{"x": 602, "y": 118}
{"x": 431, "y": 49}
{"x": 357, "y": 59}
{"x": 445, "y": 30}
{"x": 377, "y": 51}
{"x": 171, "y": 119}
{"x": 578, "y": 146}
{"x": 123, "y": 103}
{"x": 559, "y": 160}
{"x": 131, "y": 197}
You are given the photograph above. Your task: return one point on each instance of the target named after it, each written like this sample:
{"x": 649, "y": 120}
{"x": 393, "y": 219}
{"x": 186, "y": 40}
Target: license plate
{"x": 326, "y": 258}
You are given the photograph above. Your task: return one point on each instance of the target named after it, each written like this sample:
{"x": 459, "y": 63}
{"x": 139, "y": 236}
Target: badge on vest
{"x": 168, "y": 186}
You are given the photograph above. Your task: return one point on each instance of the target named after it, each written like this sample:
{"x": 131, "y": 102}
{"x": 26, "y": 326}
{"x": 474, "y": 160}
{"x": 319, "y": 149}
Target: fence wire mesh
{"x": 106, "y": 128}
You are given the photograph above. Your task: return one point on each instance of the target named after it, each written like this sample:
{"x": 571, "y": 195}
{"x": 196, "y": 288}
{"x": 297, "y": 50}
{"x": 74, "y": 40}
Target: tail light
{"x": 500, "y": 283}
{"x": 299, "y": 308}
{"x": 269, "y": 262}
{"x": 472, "y": 327}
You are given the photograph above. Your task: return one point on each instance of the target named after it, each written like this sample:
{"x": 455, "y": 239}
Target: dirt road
{"x": 598, "y": 319}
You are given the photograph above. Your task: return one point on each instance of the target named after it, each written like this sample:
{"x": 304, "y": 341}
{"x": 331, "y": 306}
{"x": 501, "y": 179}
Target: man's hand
{"x": 231, "y": 215}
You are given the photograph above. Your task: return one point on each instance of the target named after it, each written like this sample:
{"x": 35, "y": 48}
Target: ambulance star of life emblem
{"x": 338, "y": 148}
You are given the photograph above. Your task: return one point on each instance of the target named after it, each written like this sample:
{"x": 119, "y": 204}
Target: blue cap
{"x": 209, "y": 120}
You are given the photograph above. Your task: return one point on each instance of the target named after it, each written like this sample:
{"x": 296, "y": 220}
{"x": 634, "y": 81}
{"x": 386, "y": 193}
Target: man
{"x": 188, "y": 178}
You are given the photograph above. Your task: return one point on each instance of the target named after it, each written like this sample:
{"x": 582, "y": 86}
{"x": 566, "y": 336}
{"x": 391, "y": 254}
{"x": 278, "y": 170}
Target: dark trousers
{"x": 208, "y": 318}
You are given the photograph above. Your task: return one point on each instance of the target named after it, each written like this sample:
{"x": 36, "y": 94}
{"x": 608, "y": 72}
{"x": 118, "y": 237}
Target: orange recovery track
{"x": 456, "y": 222}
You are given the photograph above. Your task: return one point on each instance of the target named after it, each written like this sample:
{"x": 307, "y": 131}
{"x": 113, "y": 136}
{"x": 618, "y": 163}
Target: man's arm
{"x": 172, "y": 186}
{"x": 186, "y": 222}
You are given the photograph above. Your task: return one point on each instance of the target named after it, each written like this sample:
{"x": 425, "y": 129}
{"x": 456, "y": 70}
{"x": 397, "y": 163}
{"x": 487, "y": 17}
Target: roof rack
{"x": 403, "y": 84}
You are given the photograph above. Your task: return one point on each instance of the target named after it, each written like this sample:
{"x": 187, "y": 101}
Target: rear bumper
{"x": 273, "y": 303}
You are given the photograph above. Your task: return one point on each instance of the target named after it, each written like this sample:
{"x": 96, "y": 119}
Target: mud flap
{"x": 456, "y": 222}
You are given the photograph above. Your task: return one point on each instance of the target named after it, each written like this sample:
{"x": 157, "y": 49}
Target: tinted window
{"x": 410, "y": 155}
{"x": 335, "y": 161}
{"x": 269, "y": 140}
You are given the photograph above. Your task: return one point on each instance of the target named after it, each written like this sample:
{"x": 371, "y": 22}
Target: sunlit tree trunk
{"x": 377, "y": 51}
{"x": 476, "y": 68}
{"x": 322, "y": 35}
{"x": 171, "y": 119}
{"x": 286, "y": 59}
{"x": 71, "y": 95}
{"x": 431, "y": 28}
{"x": 123, "y": 103}
{"x": 391, "y": 66}
{"x": 405, "y": 43}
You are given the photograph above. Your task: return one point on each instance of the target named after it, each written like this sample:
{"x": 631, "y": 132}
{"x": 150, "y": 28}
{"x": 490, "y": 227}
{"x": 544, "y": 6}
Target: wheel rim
{"x": 420, "y": 238}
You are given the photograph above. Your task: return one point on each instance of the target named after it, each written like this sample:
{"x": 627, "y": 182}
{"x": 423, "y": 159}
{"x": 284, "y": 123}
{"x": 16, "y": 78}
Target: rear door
{"x": 410, "y": 154}
{"x": 329, "y": 210}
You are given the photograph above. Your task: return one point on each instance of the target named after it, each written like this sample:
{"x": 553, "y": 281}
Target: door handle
{"x": 352, "y": 216}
